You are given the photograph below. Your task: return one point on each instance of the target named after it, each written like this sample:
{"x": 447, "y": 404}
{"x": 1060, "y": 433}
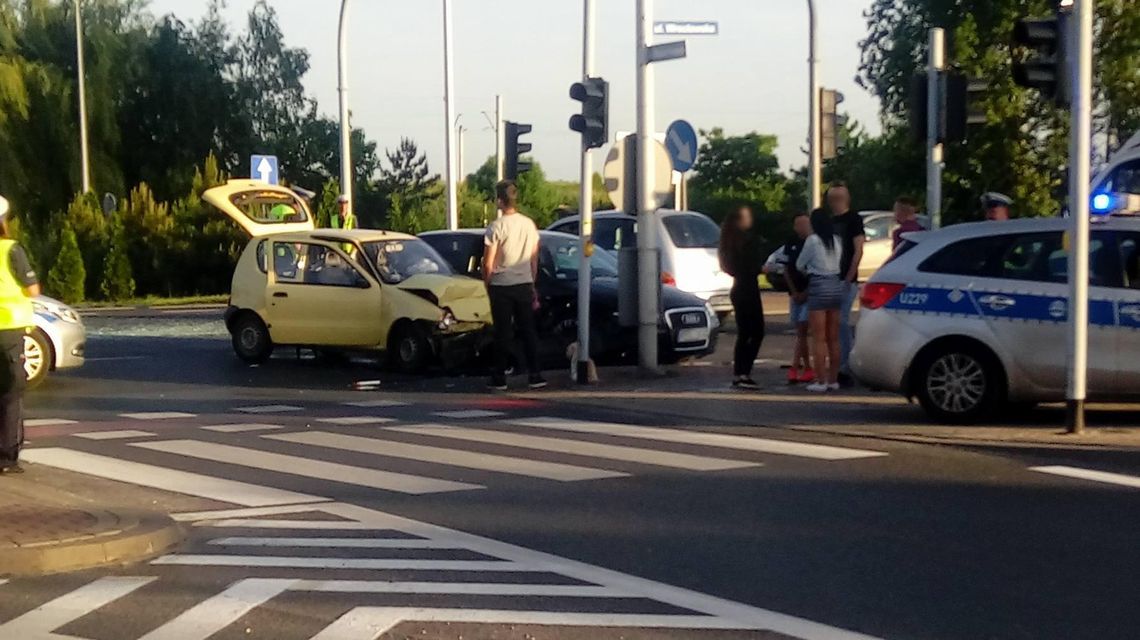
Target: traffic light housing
{"x": 515, "y": 149}
{"x": 831, "y": 123}
{"x": 593, "y": 122}
{"x": 1046, "y": 67}
{"x": 958, "y": 94}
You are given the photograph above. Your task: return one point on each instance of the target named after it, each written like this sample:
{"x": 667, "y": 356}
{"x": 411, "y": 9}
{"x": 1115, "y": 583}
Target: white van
{"x": 688, "y": 240}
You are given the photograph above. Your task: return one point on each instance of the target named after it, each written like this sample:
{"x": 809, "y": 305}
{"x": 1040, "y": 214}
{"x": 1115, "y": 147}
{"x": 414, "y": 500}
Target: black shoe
{"x": 12, "y": 469}
{"x": 846, "y": 381}
{"x": 536, "y": 382}
{"x": 497, "y": 383}
{"x": 745, "y": 383}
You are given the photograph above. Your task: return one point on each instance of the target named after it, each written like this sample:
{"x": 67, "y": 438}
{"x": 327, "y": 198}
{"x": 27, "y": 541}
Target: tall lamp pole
{"x": 815, "y": 162}
{"x": 449, "y": 115}
{"x": 85, "y": 161}
{"x": 345, "y": 126}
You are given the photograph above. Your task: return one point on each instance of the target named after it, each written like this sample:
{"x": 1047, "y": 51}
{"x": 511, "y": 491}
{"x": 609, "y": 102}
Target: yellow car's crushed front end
{"x": 463, "y": 324}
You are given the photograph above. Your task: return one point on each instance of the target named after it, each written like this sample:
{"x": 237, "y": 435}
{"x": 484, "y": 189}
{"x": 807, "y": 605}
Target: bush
{"x": 66, "y": 278}
{"x": 118, "y": 278}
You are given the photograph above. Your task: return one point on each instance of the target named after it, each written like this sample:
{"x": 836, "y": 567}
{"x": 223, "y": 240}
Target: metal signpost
{"x": 264, "y": 168}
{"x": 585, "y": 208}
{"x": 342, "y": 90}
{"x": 449, "y": 115}
{"x": 815, "y": 144}
{"x": 1081, "y": 69}
{"x": 933, "y": 126}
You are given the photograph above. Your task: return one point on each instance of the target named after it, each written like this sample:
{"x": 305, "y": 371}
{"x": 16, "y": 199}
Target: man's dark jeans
{"x": 513, "y": 308}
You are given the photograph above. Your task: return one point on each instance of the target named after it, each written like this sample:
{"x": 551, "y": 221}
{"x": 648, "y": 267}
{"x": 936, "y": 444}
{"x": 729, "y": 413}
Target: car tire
{"x": 959, "y": 383}
{"x": 38, "y": 356}
{"x": 251, "y": 339}
{"x": 409, "y": 349}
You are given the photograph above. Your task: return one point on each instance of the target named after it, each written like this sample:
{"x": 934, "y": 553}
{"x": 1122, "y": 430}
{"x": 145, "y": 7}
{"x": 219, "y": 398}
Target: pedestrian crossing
{"x": 378, "y": 571}
{"x": 392, "y": 453}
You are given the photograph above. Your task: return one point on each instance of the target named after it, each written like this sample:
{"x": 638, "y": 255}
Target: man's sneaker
{"x": 11, "y": 469}
{"x": 497, "y": 383}
{"x": 745, "y": 382}
{"x": 536, "y": 382}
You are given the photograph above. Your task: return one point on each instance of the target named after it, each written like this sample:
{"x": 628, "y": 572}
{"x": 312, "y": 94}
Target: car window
{"x": 692, "y": 231}
{"x": 877, "y": 228}
{"x": 977, "y": 257}
{"x": 1044, "y": 257}
{"x": 314, "y": 264}
{"x": 567, "y": 226}
{"x": 262, "y": 257}
{"x": 558, "y": 259}
{"x": 612, "y": 234}
{"x": 270, "y": 207}
{"x": 1125, "y": 178}
{"x": 464, "y": 253}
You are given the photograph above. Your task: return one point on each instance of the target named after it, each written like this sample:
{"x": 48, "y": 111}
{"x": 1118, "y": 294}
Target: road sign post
{"x": 934, "y": 69}
{"x": 1080, "y": 68}
{"x": 264, "y": 168}
{"x": 586, "y": 204}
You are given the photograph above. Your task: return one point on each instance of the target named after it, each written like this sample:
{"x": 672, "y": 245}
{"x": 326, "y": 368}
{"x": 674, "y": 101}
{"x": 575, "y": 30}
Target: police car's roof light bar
{"x": 1117, "y": 204}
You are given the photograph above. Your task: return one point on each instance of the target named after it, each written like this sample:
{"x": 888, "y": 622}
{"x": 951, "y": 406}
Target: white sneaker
{"x": 817, "y": 387}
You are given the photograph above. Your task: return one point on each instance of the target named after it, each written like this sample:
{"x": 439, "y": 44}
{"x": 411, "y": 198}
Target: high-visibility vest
{"x": 15, "y": 307}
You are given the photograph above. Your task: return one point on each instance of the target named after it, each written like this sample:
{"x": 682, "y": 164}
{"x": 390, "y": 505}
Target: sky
{"x": 750, "y": 77}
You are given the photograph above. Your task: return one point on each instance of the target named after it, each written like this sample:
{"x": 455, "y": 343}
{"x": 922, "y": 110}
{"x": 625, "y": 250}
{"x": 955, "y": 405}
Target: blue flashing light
{"x": 1102, "y": 203}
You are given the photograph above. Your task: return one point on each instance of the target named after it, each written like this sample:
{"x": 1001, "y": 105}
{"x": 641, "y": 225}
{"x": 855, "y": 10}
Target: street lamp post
{"x": 85, "y": 161}
{"x": 449, "y": 114}
{"x": 345, "y": 126}
{"x": 648, "y": 265}
{"x": 815, "y": 162}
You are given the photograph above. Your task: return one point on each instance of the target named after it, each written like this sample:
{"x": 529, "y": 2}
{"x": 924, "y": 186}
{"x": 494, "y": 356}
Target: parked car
{"x": 57, "y": 341}
{"x": 343, "y": 289}
{"x": 689, "y": 243}
{"x": 688, "y": 326}
{"x": 973, "y": 317}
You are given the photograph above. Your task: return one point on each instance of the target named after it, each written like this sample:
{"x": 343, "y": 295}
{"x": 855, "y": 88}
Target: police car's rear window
{"x": 973, "y": 257}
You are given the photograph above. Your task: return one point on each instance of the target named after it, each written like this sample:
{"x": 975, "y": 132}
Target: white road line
{"x": 459, "y": 588}
{"x": 468, "y": 414}
{"x": 269, "y": 408}
{"x": 292, "y": 562}
{"x": 121, "y": 434}
{"x": 212, "y": 615}
{"x": 305, "y": 467}
{"x": 719, "y": 440}
{"x": 375, "y": 404}
{"x": 350, "y": 421}
{"x": 579, "y": 448}
{"x": 247, "y": 512}
{"x": 450, "y": 457}
{"x": 241, "y": 428}
{"x": 183, "y": 482}
{"x": 48, "y": 422}
{"x": 1090, "y": 474}
{"x": 300, "y": 525}
{"x": 41, "y": 621}
{"x": 157, "y": 415}
{"x": 332, "y": 543}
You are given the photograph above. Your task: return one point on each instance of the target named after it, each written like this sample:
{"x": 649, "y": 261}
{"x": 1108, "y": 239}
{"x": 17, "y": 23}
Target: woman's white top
{"x": 817, "y": 260}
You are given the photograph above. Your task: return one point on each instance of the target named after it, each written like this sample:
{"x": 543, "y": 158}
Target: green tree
{"x": 65, "y": 279}
{"x": 85, "y": 216}
{"x": 737, "y": 169}
{"x": 118, "y": 282}
{"x": 878, "y": 169}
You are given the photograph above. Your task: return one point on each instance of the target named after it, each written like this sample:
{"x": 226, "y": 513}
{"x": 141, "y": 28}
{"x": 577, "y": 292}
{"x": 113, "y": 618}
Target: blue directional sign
{"x": 264, "y": 168}
{"x": 681, "y": 142}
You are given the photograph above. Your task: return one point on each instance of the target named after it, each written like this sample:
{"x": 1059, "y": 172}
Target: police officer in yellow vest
{"x": 18, "y": 285}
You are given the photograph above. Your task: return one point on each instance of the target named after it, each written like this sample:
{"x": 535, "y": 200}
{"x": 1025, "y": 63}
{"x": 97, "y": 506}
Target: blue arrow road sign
{"x": 264, "y": 168}
{"x": 681, "y": 142}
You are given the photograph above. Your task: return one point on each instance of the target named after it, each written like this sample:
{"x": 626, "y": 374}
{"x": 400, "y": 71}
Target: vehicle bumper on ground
{"x": 68, "y": 342}
{"x": 884, "y": 346}
{"x": 462, "y": 343}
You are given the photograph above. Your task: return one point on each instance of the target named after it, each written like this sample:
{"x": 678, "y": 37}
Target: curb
{"x": 146, "y": 534}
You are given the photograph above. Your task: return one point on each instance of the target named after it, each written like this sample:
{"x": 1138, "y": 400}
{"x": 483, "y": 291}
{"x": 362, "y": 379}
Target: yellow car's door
{"x": 317, "y": 297}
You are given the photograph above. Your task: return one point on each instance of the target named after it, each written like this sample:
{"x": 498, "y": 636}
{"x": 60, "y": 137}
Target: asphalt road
{"x": 714, "y": 522}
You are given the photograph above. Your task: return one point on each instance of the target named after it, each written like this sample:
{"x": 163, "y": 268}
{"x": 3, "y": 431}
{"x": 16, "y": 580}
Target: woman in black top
{"x": 740, "y": 257}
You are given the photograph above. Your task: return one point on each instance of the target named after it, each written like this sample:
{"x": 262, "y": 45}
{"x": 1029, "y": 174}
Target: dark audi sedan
{"x": 687, "y": 328}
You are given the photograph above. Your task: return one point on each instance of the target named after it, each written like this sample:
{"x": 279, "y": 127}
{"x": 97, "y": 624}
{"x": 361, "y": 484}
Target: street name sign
{"x": 666, "y": 51}
{"x": 688, "y": 28}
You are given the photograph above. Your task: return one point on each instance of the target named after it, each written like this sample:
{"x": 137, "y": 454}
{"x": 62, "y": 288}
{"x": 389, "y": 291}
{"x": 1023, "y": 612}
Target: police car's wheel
{"x": 959, "y": 383}
{"x": 251, "y": 339}
{"x": 37, "y": 357}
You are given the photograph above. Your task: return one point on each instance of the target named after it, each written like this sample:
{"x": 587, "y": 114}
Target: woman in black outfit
{"x": 740, "y": 257}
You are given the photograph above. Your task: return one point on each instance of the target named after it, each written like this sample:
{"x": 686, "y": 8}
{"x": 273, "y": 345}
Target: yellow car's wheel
{"x": 410, "y": 350}
{"x": 251, "y": 339}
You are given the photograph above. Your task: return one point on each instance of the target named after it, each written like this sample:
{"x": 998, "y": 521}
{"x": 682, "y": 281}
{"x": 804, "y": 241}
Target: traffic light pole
{"x": 1080, "y": 34}
{"x": 585, "y": 208}
{"x": 81, "y": 72}
{"x": 648, "y": 265}
{"x": 345, "y": 125}
{"x": 934, "y": 70}
{"x": 815, "y": 144}
{"x": 449, "y": 115}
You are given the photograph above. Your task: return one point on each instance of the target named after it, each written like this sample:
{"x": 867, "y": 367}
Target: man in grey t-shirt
{"x": 510, "y": 266}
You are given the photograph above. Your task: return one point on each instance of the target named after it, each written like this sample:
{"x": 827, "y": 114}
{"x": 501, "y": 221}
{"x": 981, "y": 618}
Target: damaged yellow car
{"x": 330, "y": 289}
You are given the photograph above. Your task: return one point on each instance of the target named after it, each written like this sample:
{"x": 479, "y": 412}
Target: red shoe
{"x": 793, "y": 376}
{"x": 807, "y": 376}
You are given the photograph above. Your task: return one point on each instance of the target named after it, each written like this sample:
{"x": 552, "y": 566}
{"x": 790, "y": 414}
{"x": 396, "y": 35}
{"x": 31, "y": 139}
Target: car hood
{"x": 466, "y": 297}
{"x": 605, "y": 291}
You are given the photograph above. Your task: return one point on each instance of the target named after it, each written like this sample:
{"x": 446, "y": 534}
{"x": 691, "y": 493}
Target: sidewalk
{"x": 45, "y": 529}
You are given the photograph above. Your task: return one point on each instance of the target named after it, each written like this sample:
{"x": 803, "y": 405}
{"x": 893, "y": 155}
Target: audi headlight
{"x": 447, "y": 320}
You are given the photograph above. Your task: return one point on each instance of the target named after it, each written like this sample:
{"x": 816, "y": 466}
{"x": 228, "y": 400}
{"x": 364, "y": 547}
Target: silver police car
{"x": 973, "y": 317}
{"x": 57, "y": 341}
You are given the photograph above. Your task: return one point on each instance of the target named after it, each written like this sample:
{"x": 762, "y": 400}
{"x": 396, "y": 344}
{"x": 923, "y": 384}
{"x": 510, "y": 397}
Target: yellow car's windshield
{"x": 398, "y": 260}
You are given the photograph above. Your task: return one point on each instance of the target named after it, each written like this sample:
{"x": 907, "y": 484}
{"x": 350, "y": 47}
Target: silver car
{"x": 972, "y": 318}
{"x": 57, "y": 341}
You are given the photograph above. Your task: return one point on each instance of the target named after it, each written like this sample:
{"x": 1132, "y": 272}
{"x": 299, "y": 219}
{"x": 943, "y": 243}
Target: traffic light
{"x": 593, "y": 122}
{"x": 960, "y": 94}
{"x": 515, "y": 150}
{"x": 1046, "y": 67}
{"x": 831, "y": 123}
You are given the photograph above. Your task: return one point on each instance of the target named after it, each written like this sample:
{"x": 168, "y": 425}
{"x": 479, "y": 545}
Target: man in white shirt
{"x": 510, "y": 267}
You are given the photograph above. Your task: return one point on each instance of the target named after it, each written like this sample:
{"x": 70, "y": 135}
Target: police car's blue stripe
{"x": 1025, "y": 307}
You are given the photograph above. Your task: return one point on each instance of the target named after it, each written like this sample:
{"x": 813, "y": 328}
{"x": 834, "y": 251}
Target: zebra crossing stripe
{"x": 43, "y": 620}
{"x": 121, "y": 434}
{"x": 684, "y": 461}
{"x": 374, "y": 564}
{"x": 211, "y": 616}
{"x": 450, "y": 457}
{"x": 306, "y": 467}
{"x": 460, "y": 588}
{"x": 702, "y": 438}
{"x": 331, "y": 543}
